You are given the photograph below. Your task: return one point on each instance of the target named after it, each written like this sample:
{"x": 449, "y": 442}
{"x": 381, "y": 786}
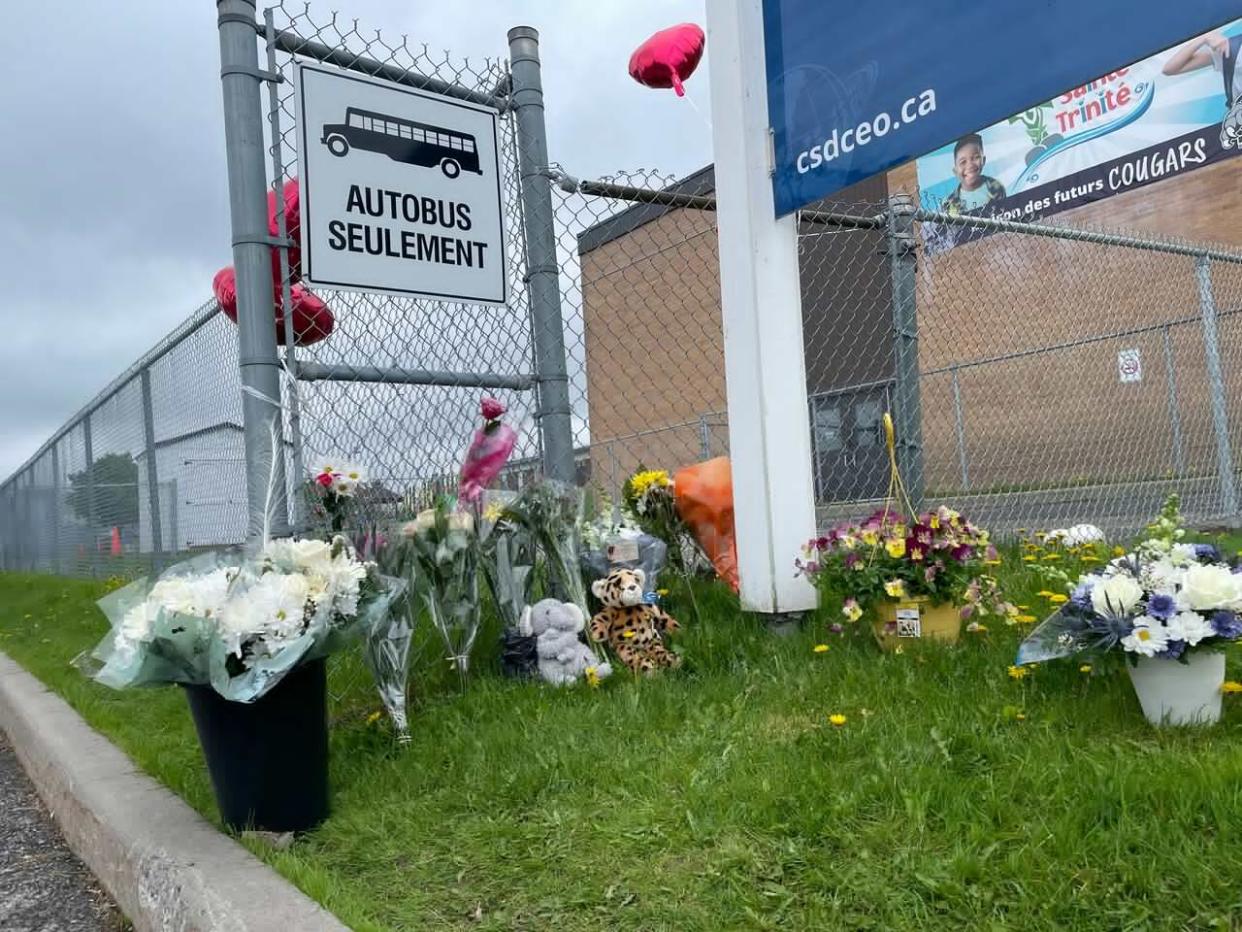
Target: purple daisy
{"x": 1162, "y": 606}
{"x": 1174, "y": 649}
{"x": 1227, "y": 625}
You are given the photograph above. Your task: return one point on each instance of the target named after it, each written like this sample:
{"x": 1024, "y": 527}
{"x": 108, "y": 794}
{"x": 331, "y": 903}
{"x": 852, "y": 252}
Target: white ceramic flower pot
{"x": 1173, "y": 693}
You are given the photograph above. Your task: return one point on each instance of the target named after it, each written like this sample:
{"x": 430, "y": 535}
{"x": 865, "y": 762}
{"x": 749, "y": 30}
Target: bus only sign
{"x": 400, "y": 189}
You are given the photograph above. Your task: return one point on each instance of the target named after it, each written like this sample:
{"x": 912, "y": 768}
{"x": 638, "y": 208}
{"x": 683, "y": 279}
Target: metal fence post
{"x": 240, "y": 77}
{"x": 174, "y": 532}
{"x": 1175, "y": 416}
{"x": 908, "y": 416}
{"x": 88, "y": 483}
{"x": 1216, "y": 387}
{"x": 57, "y": 560}
{"x": 153, "y": 481}
{"x": 27, "y": 523}
{"x": 959, "y": 424}
{"x": 705, "y": 438}
{"x": 290, "y": 338}
{"x": 542, "y": 269}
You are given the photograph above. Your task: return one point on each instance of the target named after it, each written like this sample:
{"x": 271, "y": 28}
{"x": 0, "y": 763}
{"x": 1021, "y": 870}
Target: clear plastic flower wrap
{"x": 386, "y": 651}
{"x": 442, "y": 566}
{"x": 161, "y": 627}
{"x": 551, "y": 512}
{"x": 509, "y": 561}
{"x": 240, "y": 625}
{"x": 627, "y": 550}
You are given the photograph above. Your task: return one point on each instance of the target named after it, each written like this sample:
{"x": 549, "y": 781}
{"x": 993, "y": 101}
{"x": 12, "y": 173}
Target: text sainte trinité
{"x": 425, "y": 245}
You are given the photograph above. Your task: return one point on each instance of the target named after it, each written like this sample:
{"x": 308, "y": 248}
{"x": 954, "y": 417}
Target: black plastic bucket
{"x": 268, "y": 759}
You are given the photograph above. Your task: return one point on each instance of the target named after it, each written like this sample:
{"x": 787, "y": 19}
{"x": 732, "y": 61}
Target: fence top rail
{"x": 289, "y": 41}
{"x": 183, "y": 332}
{"x": 1076, "y": 234}
{"x": 843, "y": 217}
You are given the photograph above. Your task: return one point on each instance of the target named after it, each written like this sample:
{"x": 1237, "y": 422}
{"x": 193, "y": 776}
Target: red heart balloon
{"x": 312, "y": 320}
{"x": 669, "y": 57}
{"x": 293, "y": 229}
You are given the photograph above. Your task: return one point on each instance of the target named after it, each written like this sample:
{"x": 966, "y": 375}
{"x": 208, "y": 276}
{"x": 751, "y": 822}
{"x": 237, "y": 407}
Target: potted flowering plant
{"x": 1167, "y": 607}
{"x": 247, "y": 640}
{"x": 912, "y": 578}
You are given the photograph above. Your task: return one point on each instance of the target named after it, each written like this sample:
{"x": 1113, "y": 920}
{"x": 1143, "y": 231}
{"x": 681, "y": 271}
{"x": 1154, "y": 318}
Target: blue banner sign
{"x": 855, "y": 89}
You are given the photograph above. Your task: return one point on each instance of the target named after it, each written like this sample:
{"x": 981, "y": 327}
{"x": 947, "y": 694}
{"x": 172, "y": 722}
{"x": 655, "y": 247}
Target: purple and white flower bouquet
{"x": 1166, "y": 599}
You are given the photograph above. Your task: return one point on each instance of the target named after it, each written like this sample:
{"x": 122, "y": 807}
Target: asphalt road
{"x": 43, "y": 886}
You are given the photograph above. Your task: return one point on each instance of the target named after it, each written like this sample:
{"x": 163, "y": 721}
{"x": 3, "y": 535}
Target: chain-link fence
{"x": 1039, "y": 375}
{"x": 151, "y": 468}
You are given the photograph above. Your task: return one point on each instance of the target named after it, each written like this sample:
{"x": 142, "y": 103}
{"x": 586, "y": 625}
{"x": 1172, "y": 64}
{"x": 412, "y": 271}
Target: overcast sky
{"x": 113, "y": 206}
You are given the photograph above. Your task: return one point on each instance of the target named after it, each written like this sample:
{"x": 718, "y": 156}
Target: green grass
{"x": 720, "y": 797}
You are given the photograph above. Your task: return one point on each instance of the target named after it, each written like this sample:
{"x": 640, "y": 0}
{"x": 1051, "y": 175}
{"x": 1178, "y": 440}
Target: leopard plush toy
{"x": 633, "y": 628}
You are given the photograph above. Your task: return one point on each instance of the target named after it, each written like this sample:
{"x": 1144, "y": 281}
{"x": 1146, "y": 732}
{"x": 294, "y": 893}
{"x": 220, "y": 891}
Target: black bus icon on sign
{"x": 403, "y": 141}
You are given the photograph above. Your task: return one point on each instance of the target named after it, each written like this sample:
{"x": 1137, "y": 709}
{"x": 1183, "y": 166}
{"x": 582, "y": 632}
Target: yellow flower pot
{"x": 909, "y": 620}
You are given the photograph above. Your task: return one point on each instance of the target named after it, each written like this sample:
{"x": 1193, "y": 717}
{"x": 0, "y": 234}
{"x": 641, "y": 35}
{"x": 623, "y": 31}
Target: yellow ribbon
{"x": 896, "y": 488}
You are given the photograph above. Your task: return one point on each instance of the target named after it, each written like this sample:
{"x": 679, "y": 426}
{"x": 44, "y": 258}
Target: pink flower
{"x": 491, "y": 408}
{"x": 325, "y": 479}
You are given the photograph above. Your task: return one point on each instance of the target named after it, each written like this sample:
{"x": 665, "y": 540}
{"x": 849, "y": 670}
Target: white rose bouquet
{"x": 239, "y": 625}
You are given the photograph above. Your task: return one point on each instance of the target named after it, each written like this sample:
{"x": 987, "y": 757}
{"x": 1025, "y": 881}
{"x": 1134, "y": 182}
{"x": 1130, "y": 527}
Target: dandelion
{"x": 662, "y": 593}
{"x": 1058, "y": 598}
{"x": 1085, "y": 668}
{"x": 1051, "y": 557}
{"x": 1028, "y": 559}
{"x": 1019, "y": 716}
{"x": 1018, "y": 673}
{"x": 592, "y": 677}
{"x": 991, "y": 562}
{"x": 820, "y": 648}
{"x": 1231, "y": 686}
{"x": 1024, "y": 619}
{"x": 1119, "y": 551}
{"x": 837, "y": 719}
{"x": 374, "y": 717}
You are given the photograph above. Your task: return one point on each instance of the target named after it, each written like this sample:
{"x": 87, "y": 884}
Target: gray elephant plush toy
{"x": 562, "y": 657}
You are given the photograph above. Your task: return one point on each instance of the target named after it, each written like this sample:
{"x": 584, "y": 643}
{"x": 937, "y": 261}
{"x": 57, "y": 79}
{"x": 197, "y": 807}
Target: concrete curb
{"x": 166, "y": 868}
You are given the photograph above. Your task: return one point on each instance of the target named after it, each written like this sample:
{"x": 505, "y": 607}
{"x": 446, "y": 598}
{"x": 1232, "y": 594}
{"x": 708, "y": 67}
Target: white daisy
{"x": 1148, "y": 638}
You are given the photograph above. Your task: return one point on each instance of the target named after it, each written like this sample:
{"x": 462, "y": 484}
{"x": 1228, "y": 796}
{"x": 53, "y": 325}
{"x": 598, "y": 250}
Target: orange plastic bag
{"x": 704, "y": 496}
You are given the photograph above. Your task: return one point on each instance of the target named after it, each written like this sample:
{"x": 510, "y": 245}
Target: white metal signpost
{"x": 400, "y": 189}
{"x": 761, "y": 301}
